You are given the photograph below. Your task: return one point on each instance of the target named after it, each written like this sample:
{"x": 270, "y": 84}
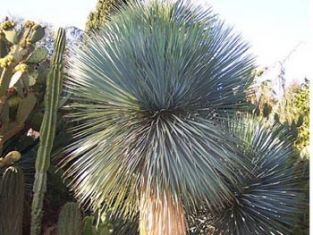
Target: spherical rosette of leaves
{"x": 270, "y": 198}
{"x": 149, "y": 92}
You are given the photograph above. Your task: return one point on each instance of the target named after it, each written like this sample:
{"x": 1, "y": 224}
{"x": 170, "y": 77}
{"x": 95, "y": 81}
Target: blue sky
{"x": 272, "y": 27}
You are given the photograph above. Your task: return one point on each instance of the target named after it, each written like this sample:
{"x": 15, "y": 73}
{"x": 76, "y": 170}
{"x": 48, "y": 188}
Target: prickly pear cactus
{"x": 19, "y": 62}
{"x": 10, "y": 158}
{"x": 12, "y": 200}
{"x": 70, "y": 220}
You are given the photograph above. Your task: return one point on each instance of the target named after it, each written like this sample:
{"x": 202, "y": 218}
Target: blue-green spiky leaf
{"x": 270, "y": 198}
{"x": 148, "y": 93}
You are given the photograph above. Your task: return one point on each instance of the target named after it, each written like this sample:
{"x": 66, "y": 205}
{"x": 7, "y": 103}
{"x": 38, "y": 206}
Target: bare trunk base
{"x": 161, "y": 216}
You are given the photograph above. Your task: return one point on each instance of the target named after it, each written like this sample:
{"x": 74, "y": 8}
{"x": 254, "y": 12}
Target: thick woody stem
{"x": 161, "y": 215}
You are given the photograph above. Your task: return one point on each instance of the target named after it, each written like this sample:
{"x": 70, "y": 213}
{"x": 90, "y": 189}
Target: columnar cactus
{"x": 12, "y": 200}
{"x": 70, "y": 220}
{"x": 19, "y": 59}
{"x": 47, "y": 130}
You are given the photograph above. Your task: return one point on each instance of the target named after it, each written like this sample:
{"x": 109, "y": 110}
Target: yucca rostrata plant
{"x": 269, "y": 198}
{"x": 47, "y": 130}
{"x": 11, "y": 202}
{"x": 150, "y": 93}
{"x": 19, "y": 59}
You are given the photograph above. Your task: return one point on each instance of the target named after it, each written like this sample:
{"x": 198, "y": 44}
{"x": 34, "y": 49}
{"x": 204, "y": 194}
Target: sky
{"x": 273, "y": 28}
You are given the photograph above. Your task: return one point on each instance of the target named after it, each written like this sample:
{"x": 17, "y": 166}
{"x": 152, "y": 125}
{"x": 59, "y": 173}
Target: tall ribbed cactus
{"x": 11, "y": 202}
{"x": 47, "y": 130}
{"x": 70, "y": 220}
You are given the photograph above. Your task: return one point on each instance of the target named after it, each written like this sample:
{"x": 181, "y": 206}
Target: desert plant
{"x": 20, "y": 89}
{"x": 10, "y": 158}
{"x": 12, "y": 200}
{"x": 101, "y": 14}
{"x": 70, "y": 220}
{"x": 92, "y": 226}
{"x": 47, "y": 130}
{"x": 270, "y": 199}
{"x": 293, "y": 110}
{"x": 149, "y": 94}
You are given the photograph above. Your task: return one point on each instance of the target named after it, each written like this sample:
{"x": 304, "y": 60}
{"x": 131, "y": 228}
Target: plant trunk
{"x": 161, "y": 215}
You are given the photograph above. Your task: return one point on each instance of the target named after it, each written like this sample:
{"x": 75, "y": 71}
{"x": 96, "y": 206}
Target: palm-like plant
{"x": 150, "y": 93}
{"x": 270, "y": 198}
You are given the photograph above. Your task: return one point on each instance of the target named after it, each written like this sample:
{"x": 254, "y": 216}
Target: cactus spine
{"x": 70, "y": 220}
{"x": 47, "y": 131}
{"x": 12, "y": 200}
